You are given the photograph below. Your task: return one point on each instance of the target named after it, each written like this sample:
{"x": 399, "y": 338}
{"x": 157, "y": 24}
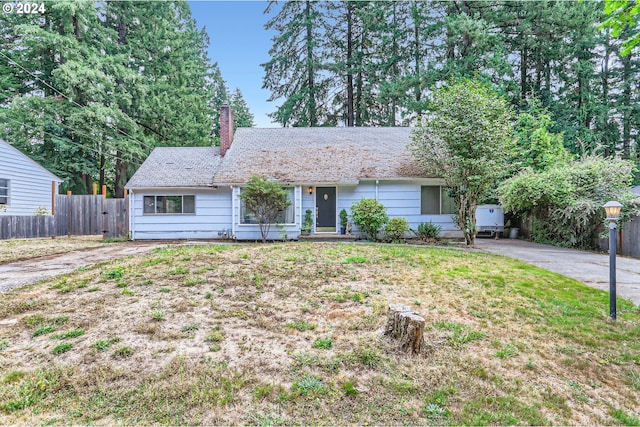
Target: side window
{"x": 430, "y": 200}
{"x": 169, "y": 205}
{"x": 4, "y": 191}
{"x": 448, "y": 202}
{"x": 435, "y": 200}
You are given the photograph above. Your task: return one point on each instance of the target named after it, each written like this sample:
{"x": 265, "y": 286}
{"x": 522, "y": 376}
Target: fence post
{"x": 104, "y": 191}
{"x": 95, "y": 188}
{"x": 53, "y": 197}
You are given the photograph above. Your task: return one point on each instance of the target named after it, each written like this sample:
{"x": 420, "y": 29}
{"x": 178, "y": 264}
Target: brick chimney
{"x": 226, "y": 128}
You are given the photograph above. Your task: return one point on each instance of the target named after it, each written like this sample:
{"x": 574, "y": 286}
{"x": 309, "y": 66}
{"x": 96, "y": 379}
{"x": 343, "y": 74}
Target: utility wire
{"x": 142, "y": 144}
{"x": 98, "y": 152}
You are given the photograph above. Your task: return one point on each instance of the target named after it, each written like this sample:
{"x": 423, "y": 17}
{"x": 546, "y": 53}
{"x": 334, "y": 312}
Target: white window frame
{"x": 441, "y": 189}
{"x": 155, "y": 204}
{"x": 291, "y": 210}
{"x": 7, "y": 189}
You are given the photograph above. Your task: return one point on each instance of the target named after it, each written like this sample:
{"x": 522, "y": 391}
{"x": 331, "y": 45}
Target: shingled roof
{"x": 178, "y": 167}
{"x": 318, "y": 155}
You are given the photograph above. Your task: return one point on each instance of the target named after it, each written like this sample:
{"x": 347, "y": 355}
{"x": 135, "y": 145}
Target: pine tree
{"x": 294, "y": 72}
{"x": 242, "y": 117}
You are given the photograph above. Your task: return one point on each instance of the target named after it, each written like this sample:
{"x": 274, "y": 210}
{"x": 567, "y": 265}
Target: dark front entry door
{"x": 325, "y": 209}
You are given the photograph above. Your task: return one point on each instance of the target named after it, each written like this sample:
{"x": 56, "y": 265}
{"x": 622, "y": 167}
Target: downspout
{"x": 233, "y": 212}
{"x": 377, "y": 182}
{"x": 132, "y": 231}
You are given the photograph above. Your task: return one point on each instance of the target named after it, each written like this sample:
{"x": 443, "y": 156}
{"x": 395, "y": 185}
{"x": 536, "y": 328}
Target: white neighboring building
{"x": 26, "y": 188}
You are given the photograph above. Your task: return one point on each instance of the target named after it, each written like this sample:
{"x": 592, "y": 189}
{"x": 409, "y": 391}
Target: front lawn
{"x": 289, "y": 334}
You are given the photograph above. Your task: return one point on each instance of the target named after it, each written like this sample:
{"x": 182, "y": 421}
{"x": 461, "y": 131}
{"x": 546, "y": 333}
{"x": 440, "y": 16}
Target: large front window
{"x": 285, "y": 217}
{"x": 169, "y": 205}
{"x": 4, "y": 191}
{"x": 436, "y": 201}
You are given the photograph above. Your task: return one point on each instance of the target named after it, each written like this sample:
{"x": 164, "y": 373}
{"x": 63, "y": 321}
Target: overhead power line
{"x": 11, "y": 60}
{"x": 98, "y": 152}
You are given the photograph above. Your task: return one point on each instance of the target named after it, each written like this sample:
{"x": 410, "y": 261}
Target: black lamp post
{"x": 613, "y": 213}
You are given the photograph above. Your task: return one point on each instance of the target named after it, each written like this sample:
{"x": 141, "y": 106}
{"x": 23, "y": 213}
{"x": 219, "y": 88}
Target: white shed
{"x": 26, "y": 188}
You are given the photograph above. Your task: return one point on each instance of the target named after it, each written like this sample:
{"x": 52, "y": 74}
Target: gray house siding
{"x": 30, "y": 185}
{"x": 212, "y": 215}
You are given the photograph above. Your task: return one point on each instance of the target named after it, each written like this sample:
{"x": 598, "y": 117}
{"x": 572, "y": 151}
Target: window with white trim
{"x": 435, "y": 201}
{"x": 4, "y": 191}
{"x": 172, "y": 205}
{"x": 286, "y": 217}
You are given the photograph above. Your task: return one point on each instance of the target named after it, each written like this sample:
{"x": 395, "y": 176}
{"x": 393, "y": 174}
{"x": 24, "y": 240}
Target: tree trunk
{"x": 627, "y": 107}
{"x": 350, "y": 116}
{"x": 417, "y": 59}
{"x": 313, "y": 121}
{"x": 122, "y": 168}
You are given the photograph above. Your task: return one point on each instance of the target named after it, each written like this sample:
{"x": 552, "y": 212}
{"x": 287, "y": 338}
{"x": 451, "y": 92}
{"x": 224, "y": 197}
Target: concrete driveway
{"x": 20, "y": 273}
{"x": 588, "y": 267}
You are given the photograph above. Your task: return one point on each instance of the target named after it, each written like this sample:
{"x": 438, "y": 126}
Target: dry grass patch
{"x": 290, "y": 334}
{"x": 19, "y": 249}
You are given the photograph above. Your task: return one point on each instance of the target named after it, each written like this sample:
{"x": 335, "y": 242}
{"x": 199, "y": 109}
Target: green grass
{"x": 356, "y": 259}
{"x": 157, "y": 315}
{"x": 62, "y": 348}
{"x": 123, "y": 352}
{"x": 460, "y": 332}
{"x": 43, "y": 331}
{"x": 323, "y": 343}
{"x": 301, "y": 325}
{"x": 624, "y": 418}
{"x": 102, "y": 345}
{"x": 69, "y": 334}
{"x": 291, "y": 334}
{"x": 309, "y": 386}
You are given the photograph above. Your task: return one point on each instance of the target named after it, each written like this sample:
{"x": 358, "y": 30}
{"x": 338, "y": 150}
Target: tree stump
{"x": 406, "y": 326}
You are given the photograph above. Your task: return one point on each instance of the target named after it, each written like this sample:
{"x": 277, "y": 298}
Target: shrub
{"x": 396, "y": 229}
{"x": 344, "y": 218}
{"x": 428, "y": 231}
{"x": 266, "y": 201}
{"x": 565, "y": 202}
{"x": 370, "y": 216}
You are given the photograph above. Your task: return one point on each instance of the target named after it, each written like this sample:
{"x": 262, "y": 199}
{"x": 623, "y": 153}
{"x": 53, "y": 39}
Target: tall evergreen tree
{"x": 88, "y": 89}
{"x": 242, "y": 117}
{"x": 295, "y": 71}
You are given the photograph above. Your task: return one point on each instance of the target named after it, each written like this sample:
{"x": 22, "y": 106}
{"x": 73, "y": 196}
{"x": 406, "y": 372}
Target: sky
{"x": 239, "y": 44}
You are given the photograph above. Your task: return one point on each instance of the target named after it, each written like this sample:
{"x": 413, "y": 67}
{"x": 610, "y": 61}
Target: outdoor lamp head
{"x": 612, "y": 209}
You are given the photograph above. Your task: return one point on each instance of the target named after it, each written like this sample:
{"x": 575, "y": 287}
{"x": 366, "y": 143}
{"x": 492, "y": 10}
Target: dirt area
{"x": 29, "y": 271}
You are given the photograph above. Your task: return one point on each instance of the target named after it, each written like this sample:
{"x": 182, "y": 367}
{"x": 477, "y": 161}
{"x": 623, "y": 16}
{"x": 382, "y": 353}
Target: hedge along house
{"x": 26, "y": 188}
{"x": 186, "y": 193}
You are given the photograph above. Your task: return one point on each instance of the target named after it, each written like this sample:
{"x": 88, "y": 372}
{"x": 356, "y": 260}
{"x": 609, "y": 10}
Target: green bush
{"x": 370, "y": 216}
{"x": 428, "y": 231}
{"x": 396, "y": 229}
{"x": 564, "y": 202}
{"x": 266, "y": 201}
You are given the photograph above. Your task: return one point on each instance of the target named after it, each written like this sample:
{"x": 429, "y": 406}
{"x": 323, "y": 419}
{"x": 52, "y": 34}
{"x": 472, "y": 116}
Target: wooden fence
{"x": 628, "y": 239}
{"x": 74, "y": 216}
